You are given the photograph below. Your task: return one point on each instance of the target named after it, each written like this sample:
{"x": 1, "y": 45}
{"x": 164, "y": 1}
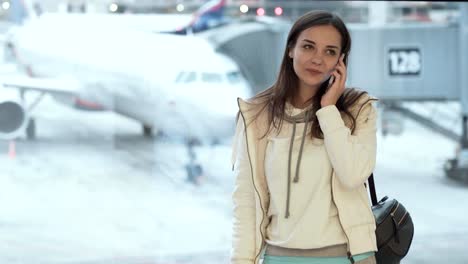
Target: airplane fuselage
{"x": 176, "y": 84}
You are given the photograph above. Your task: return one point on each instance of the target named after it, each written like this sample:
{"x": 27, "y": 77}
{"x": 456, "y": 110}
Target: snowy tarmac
{"x": 91, "y": 189}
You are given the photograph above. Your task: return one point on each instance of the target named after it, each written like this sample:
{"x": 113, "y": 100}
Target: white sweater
{"x": 313, "y": 221}
{"x": 352, "y": 156}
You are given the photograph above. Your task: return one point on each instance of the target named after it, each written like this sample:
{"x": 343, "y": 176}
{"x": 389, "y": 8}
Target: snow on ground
{"x": 91, "y": 190}
{"x": 91, "y": 187}
{"x": 410, "y": 169}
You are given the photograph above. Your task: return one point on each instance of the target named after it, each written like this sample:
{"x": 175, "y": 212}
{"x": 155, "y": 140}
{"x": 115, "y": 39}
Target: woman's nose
{"x": 317, "y": 60}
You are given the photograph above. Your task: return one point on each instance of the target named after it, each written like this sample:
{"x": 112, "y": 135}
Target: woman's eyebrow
{"x": 328, "y": 46}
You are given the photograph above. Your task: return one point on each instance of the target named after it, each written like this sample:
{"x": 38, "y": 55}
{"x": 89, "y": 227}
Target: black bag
{"x": 394, "y": 230}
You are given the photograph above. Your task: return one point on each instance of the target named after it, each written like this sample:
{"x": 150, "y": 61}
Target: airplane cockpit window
{"x": 186, "y": 77}
{"x": 212, "y": 77}
{"x": 180, "y": 77}
{"x": 233, "y": 77}
{"x": 191, "y": 77}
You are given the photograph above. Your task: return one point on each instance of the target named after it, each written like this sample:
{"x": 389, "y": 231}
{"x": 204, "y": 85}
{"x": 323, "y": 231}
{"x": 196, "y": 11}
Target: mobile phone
{"x": 332, "y": 77}
{"x": 331, "y": 80}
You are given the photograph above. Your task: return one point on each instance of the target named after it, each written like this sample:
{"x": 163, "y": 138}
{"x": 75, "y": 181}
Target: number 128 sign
{"x": 404, "y": 61}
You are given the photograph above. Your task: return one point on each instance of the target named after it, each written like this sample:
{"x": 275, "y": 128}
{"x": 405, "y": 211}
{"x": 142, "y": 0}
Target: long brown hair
{"x": 286, "y": 86}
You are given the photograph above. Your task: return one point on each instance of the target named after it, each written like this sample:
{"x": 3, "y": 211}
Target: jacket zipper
{"x": 350, "y": 257}
{"x": 253, "y": 182}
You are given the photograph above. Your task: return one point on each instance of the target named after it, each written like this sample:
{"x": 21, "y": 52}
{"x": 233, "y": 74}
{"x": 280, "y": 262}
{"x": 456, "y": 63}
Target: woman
{"x": 303, "y": 151}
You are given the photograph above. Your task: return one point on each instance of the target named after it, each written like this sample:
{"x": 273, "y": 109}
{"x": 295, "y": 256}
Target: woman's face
{"x": 316, "y": 54}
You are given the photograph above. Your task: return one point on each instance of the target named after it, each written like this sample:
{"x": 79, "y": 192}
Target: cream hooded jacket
{"x": 352, "y": 158}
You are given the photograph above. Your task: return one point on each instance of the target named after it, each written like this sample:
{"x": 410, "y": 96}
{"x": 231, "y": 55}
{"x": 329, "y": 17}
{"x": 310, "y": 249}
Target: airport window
{"x": 131, "y": 136}
{"x": 212, "y": 77}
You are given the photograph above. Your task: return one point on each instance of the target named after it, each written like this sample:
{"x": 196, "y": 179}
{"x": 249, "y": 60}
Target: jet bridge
{"x": 394, "y": 62}
{"x": 256, "y": 45}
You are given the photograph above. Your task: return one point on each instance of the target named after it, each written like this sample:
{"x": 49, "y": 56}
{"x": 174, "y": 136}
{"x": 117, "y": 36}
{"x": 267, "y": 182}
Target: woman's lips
{"x": 311, "y": 71}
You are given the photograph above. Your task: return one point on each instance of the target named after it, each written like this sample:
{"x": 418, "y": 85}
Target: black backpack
{"x": 394, "y": 230}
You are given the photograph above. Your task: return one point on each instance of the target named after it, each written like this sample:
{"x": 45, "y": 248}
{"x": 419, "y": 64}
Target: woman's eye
{"x": 307, "y": 46}
{"x": 331, "y": 52}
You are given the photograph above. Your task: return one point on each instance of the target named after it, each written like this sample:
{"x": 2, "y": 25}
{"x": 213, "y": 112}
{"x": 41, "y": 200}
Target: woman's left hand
{"x": 337, "y": 88}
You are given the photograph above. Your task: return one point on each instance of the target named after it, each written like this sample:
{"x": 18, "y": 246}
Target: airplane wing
{"x": 64, "y": 86}
{"x": 65, "y": 90}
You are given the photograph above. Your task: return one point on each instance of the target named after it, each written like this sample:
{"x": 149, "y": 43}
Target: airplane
{"x": 176, "y": 85}
{"x": 207, "y": 16}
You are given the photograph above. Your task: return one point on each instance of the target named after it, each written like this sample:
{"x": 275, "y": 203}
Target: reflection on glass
{"x": 115, "y": 186}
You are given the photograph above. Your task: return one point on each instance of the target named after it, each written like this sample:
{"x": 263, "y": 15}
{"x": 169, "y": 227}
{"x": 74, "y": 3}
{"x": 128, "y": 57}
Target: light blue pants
{"x": 314, "y": 260}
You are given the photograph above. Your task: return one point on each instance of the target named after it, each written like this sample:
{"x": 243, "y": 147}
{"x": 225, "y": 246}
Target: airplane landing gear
{"x": 193, "y": 168}
{"x": 31, "y": 129}
{"x": 147, "y": 131}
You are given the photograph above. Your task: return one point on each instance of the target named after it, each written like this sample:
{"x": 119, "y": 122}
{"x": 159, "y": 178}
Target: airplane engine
{"x": 13, "y": 119}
